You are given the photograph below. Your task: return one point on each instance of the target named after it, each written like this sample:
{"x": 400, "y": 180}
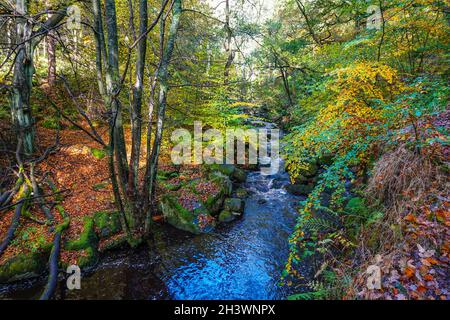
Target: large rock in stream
{"x": 194, "y": 207}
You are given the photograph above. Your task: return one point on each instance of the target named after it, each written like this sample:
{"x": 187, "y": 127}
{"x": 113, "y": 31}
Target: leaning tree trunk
{"x": 163, "y": 77}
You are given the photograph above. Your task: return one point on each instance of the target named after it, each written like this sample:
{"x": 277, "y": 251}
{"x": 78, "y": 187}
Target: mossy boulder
{"x": 241, "y": 193}
{"x": 88, "y": 258}
{"x": 107, "y": 223}
{"x": 24, "y": 266}
{"x": 230, "y": 171}
{"x": 225, "y": 169}
{"x": 310, "y": 169}
{"x": 300, "y": 179}
{"x": 197, "y": 221}
{"x": 300, "y": 189}
{"x": 87, "y": 239}
{"x": 224, "y": 182}
{"x": 239, "y": 175}
{"x": 234, "y": 205}
{"x": 226, "y": 216}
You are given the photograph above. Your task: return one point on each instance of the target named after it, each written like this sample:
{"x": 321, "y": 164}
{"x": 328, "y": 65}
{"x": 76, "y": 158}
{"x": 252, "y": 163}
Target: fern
{"x": 317, "y": 224}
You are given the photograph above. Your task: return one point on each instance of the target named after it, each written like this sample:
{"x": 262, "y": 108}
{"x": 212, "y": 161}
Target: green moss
{"x": 226, "y": 216}
{"x": 170, "y": 186}
{"x": 51, "y": 123}
{"x": 180, "y": 217}
{"x": 88, "y": 238}
{"x": 89, "y": 259}
{"x": 226, "y": 169}
{"x": 166, "y": 175}
{"x": 99, "y": 186}
{"x": 24, "y": 266}
{"x": 107, "y": 223}
{"x": 98, "y": 153}
{"x": 241, "y": 193}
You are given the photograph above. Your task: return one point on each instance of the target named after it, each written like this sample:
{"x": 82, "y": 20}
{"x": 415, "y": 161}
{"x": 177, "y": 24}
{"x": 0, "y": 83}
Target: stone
{"x": 234, "y": 205}
{"x": 309, "y": 170}
{"x": 300, "y": 189}
{"x": 262, "y": 201}
{"x": 225, "y": 169}
{"x": 24, "y": 266}
{"x": 239, "y": 175}
{"x": 107, "y": 224}
{"x": 241, "y": 193}
{"x": 226, "y": 216}
{"x": 196, "y": 221}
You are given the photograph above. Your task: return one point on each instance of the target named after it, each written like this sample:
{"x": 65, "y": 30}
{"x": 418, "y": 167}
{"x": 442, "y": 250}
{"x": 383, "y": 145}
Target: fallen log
{"x": 54, "y": 257}
{"x": 14, "y": 224}
{"x": 53, "y": 263}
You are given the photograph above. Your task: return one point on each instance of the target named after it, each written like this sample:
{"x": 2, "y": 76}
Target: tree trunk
{"x": 51, "y": 55}
{"x": 228, "y": 50}
{"x": 163, "y": 77}
{"x": 112, "y": 89}
{"x": 22, "y": 81}
{"x": 136, "y": 111}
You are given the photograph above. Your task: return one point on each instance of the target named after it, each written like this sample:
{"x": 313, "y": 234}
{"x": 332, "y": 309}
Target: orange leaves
{"x": 409, "y": 272}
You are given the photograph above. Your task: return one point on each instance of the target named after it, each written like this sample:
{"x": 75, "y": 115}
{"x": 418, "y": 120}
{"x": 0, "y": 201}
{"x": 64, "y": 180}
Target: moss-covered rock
{"x": 234, "y": 205}
{"x": 88, "y": 258}
{"x": 309, "y": 169}
{"x": 196, "y": 221}
{"x": 87, "y": 239}
{"x": 241, "y": 193}
{"x": 107, "y": 223}
{"x": 23, "y": 266}
{"x": 300, "y": 189}
{"x": 226, "y": 216}
{"x": 225, "y": 169}
{"x": 239, "y": 175}
{"x": 224, "y": 182}
{"x": 300, "y": 179}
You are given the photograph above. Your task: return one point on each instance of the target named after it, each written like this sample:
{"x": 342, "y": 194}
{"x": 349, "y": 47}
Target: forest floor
{"x": 80, "y": 171}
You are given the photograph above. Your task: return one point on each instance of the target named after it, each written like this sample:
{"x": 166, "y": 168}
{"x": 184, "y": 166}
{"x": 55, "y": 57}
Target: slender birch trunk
{"x": 163, "y": 77}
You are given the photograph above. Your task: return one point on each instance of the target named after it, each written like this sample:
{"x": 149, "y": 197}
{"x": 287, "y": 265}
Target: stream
{"x": 240, "y": 260}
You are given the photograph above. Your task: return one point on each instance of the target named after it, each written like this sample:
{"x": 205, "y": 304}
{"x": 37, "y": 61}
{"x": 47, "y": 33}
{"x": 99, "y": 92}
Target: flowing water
{"x": 240, "y": 260}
